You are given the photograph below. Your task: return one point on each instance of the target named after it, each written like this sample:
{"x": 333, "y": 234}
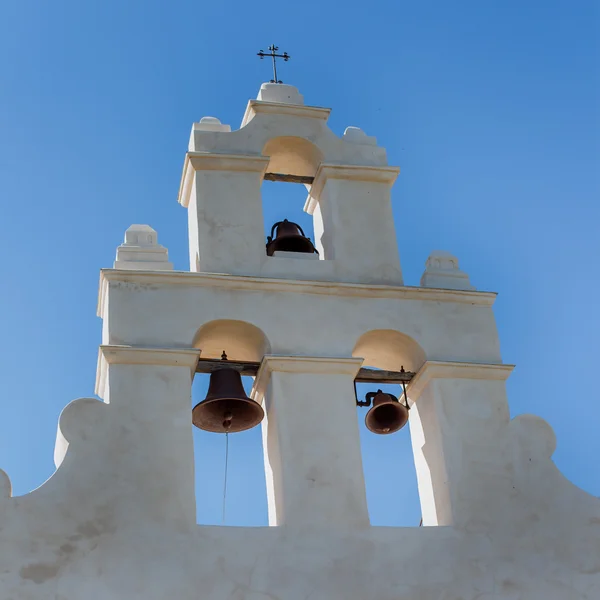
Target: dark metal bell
{"x": 289, "y": 238}
{"x": 387, "y": 415}
{"x": 226, "y": 408}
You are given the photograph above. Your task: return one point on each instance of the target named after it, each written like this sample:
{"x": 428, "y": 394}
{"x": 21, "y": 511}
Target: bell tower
{"x": 307, "y": 330}
{"x": 348, "y": 185}
{"x": 307, "y": 318}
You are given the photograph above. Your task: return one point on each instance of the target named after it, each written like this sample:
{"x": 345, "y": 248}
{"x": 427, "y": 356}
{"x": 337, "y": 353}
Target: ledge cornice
{"x": 264, "y": 284}
{"x": 136, "y": 355}
{"x": 377, "y": 174}
{"x": 255, "y": 107}
{"x": 209, "y": 161}
{"x": 455, "y": 370}
{"x": 142, "y": 355}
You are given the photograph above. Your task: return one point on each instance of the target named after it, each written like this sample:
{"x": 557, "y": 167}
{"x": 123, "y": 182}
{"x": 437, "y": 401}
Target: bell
{"x": 226, "y": 408}
{"x": 289, "y": 238}
{"x": 387, "y": 415}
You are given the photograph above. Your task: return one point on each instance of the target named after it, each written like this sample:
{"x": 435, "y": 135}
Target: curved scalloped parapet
{"x": 79, "y": 420}
{"x": 5, "y": 485}
{"x": 553, "y": 509}
{"x": 534, "y": 435}
{"x": 264, "y": 122}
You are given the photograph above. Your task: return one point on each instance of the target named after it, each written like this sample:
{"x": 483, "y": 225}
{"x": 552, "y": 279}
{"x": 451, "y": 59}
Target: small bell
{"x": 226, "y": 408}
{"x": 289, "y": 238}
{"x": 387, "y": 415}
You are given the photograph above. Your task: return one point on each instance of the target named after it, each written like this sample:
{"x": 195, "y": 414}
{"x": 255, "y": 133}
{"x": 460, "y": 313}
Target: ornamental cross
{"x": 273, "y": 54}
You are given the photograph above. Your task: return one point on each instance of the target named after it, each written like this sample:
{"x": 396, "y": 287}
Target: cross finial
{"x": 273, "y": 54}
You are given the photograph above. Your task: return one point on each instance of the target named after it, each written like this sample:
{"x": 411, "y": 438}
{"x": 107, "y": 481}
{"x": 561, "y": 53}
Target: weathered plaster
{"x": 221, "y": 182}
{"x": 116, "y": 521}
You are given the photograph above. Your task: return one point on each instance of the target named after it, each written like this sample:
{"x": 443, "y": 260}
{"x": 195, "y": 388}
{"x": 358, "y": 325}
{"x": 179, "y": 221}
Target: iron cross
{"x": 273, "y": 54}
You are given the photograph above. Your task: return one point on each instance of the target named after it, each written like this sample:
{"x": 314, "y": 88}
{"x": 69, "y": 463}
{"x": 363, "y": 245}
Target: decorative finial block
{"x": 141, "y": 251}
{"x": 211, "y": 124}
{"x": 355, "y": 135}
{"x": 441, "y": 271}
{"x": 280, "y": 93}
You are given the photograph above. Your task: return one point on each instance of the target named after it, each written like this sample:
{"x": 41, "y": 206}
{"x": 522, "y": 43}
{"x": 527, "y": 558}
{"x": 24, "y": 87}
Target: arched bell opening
{"x": 289, "y": 230}
{"x": 389, "y": 349}
{"x": 291, "y": 155}
{"x": 388, "y": 461}
{"x": 239, "y": 339}
{"x": 229, "y": 462}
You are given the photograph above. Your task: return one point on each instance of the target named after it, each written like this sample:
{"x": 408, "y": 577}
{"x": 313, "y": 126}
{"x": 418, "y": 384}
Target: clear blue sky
{"x": 489, "y": 108}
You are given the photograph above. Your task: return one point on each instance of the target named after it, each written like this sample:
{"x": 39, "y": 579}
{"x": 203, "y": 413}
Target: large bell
{"x": 226, "y": 408}
{"x": 289, "y": 238}
{"x": 387, "y": 414}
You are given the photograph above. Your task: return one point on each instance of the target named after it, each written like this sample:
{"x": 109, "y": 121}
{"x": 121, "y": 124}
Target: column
{"x": 225, "y": 218}
{"x": 151, "y": 454}
{"x": 354, "y": 224}
{"x": 458, "y": 426}
{"x": 311, "y": 442}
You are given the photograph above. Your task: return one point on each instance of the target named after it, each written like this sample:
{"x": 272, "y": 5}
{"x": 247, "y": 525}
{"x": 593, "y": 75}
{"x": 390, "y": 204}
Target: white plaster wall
{"x": 117, "y": 519}
{"x": 226, "y": 222}
{"x": 459, "y": 423}
{"x": 300, "y": 318}
{"x": 355, "y": 230}
{"x": 312, "y": 447}
{"x": 88, "y": 533}
{"x": 221, "y": 183}
{"x": 226, "y": 227}
{"x": 273, "y": 121}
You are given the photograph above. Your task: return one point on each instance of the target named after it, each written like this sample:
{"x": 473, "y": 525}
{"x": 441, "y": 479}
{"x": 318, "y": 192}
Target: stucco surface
{"x": 117, "y": 519}
{"x": 304, "y": 318}
{"x": 91, "y": 533}
{"x": 221, "y": 188}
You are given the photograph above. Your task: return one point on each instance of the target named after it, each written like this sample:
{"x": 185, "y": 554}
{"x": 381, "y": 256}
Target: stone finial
{"x": 355, "y": 135}
{"x": 211, "y": 124}
{"x": 141, "y": 251}
{"x": 280, "y": 93}
{"x": 441, "y": 271}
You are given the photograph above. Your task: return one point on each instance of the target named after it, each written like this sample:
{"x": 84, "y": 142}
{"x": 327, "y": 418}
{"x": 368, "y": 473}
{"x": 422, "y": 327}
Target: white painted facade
{"x": 117, "y": 519}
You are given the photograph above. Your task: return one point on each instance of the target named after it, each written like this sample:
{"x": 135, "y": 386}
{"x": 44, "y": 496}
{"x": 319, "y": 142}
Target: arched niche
{"x": 388, "y": 460}
{"x": 389, "y": 349}
{"x": 292, "y": 155}
{"x": 239, "y": 339}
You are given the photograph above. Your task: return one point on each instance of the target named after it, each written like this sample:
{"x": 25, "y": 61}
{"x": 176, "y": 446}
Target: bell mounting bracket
{"x": 403, "y": 377}
{"x": 364, "y": 375}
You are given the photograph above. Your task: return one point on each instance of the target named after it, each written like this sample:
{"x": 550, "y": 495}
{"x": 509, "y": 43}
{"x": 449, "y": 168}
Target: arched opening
{"x": 293, "y": 163}
{"x": 239, "y": 339}
{"x": 292, "y": 156}
{"x": 283, "y": 200}
{"x": 388, "y": 462}
{"x": 240, "y": 499}
{"x": 389, "y": 349}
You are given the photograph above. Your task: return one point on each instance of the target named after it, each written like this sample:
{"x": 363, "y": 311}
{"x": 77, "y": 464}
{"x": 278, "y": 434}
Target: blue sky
{"x": 489, "y": 108}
